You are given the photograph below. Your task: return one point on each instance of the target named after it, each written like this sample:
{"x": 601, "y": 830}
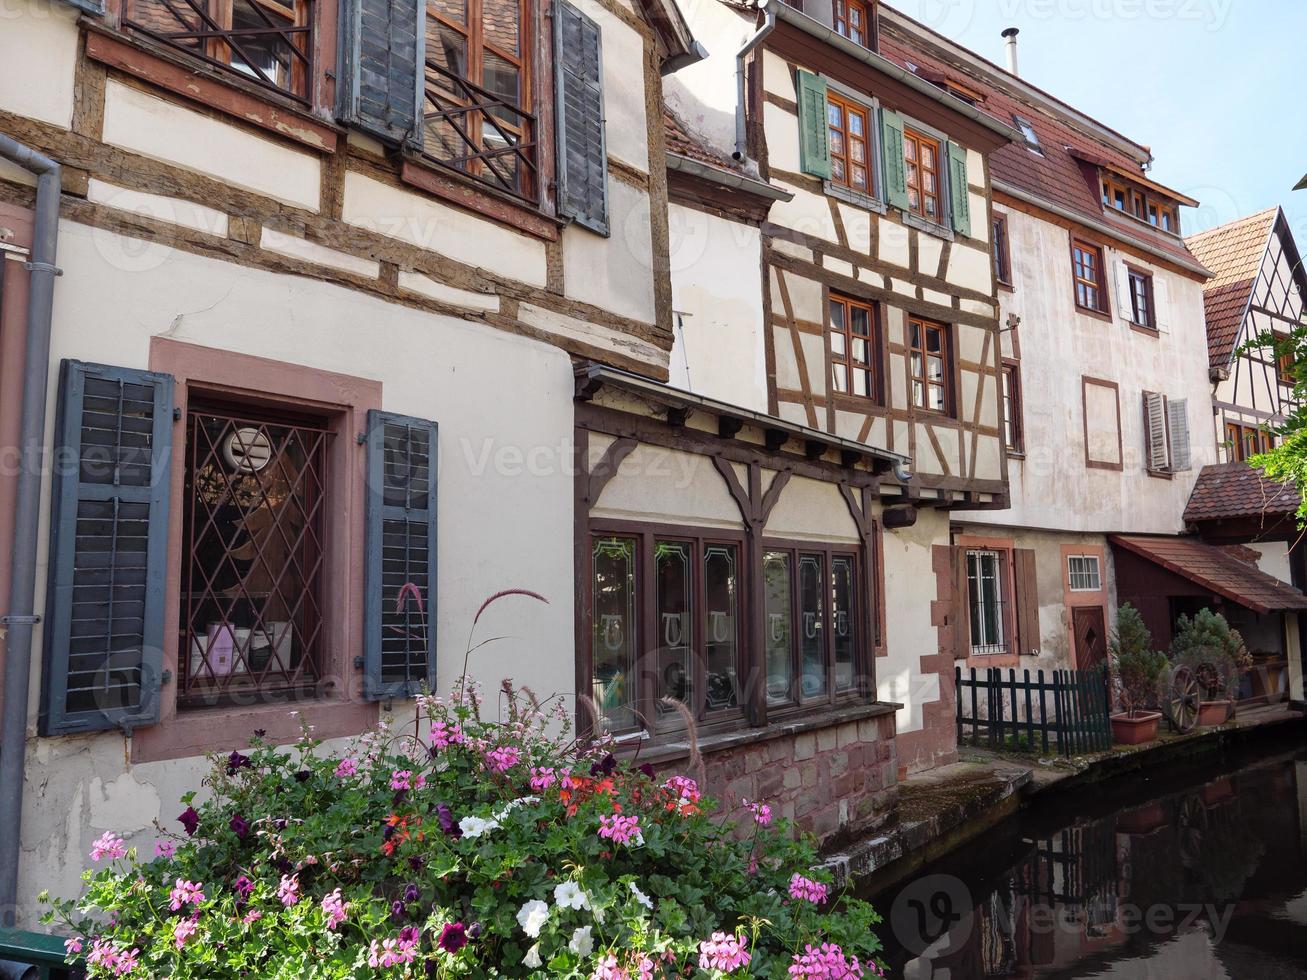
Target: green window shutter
{"x": 108, "y": 550}
{"x": 579, "y": 108}
{"x": 896, "y": 174}
{"x": 399, "y": 641}
{"x": 814, "y": 130}
{"x": 959, "y": 191}
{"x": 382, "y": 71}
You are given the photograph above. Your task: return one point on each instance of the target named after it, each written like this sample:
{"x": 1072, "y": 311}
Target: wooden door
{"x": 1089, "y": 627}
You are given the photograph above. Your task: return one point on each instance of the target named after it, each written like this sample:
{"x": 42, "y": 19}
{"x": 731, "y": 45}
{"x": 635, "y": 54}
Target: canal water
{"x": 1180, "y": 878}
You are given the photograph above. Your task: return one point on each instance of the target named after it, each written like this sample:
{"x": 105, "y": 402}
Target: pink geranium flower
{"x": 621, "y": 829}
{"x": 334, "y": 908}
{"x": 503, "y": 758}
{"x": 164, "y": 849}
{"x": 806, "y": 890}
{"x": 761, "y": 812}
{"x": 346, "y": 768}
{"x": 183, "y": 931}
{"x": 109, "y": 845}
{"x": 723, "y": 952}
{"x": 826, "y": 962}
{"x": 185, "y": 893}
{"x": 288, "y": 890}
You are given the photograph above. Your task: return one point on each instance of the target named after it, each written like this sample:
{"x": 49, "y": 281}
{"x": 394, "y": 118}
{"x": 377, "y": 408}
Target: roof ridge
{"x": 1274, "y": 210}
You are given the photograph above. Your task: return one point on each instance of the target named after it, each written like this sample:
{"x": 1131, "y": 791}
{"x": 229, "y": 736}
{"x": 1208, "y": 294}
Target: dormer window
{"x": 1028, "y": 131}
{"x": 1120, "y": 196}
{"x": 853, "y": 20}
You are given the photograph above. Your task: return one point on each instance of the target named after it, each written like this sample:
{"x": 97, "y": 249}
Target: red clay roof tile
{"x": 1215, "y": 570}
{"x": 1233, "y": 252}
{"x": 1234, "y": 490}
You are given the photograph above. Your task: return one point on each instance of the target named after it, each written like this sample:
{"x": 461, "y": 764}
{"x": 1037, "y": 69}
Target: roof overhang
{"x": 673, "y": 33}
{"x": 1301, "y": 185}
{"x": 727, "y": 178}
{"x": 592, "y": 378}
{"x": 814, "y": 28}
{"x": 1214, "y": 570}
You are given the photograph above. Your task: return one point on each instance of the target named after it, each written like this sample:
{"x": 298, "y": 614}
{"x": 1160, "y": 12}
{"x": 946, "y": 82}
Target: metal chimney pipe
{"x": 1011, "y": 40}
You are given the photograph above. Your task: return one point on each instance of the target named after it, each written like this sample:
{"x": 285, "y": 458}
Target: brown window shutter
{"x": 961, "y": 617}
{"x": 1027, "y": 600}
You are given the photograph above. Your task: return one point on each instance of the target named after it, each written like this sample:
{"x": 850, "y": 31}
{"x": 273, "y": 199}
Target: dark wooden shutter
{"x": 88, "y": 6}
{"x": 108, "y": 549}
{"x": 382, "y": 71}
{"x": 896, "y": 174}
{"x": 814, "y": 130}
{"x": 961, "y": 612}
{"x": 579, "y": 105}
{"x": 399, "y": 643}
{"x": 1026, "y": 585}
{"x": 959, "y": 192}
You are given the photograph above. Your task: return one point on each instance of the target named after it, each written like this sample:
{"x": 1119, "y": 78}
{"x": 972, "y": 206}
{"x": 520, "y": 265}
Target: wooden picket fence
{"x": 1071, "y": 708}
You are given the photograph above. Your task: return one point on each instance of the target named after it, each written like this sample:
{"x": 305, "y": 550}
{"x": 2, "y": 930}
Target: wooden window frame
{"x": 1098, "y": 284}
{"x": 1029, "y": 134}
{"x": 874, "y": 367}
{"x": 647, "y": 535}
{"x": 1133, "y": 275}
{"x": 1086, "y": 383}
{"x": 917, "y": 140}
{"x": 946, "y": 352}
{"x": 841, "y": 11}
{"x": 1013, "y": 408}
{"x": 1002, "y": 554}
{"x": 1138, "y": 203}
{"x": 867, "y": 114}
{"x": 798, "y": 702}
{"x": 1284, "y": 361}
{"x": 1244, "y": 441}
{"x": 467, "y": 118}
{"x": 1000, "y": 249}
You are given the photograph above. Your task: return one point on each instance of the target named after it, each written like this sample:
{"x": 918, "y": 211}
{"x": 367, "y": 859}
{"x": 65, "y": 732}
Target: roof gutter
{"x": 768, "y": 24}
{"x": 808, "y": 25}
{"x": 20, "y": 617}
{"x": 1103, "y": 228}
{"x": 727, "y": 178}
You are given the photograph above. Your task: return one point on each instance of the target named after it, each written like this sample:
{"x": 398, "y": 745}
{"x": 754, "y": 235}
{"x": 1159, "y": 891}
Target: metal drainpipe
{"x": 21, "y": 617}
{"x": 741, "y": 95}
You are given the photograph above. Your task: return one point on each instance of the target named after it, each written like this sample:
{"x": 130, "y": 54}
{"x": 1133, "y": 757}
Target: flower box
{"x": 1135, "y": 729}
{"x": 1212, "y": 713}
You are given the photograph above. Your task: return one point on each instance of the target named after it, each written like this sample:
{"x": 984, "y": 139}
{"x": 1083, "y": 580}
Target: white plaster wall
{"x": 504, "y": 405}
{"x": 1274, "y": 559}
{"x": 616, "y": 272}
{"x": 719, "y": 348}
{"x": 1051, "y": 487}
{"x": 703, "y": 94}
{"x": 811, "y": 510}
{"x": 665, "y": 486}
{"x": 38, "y": 55}
{"x": 627, "y": 133}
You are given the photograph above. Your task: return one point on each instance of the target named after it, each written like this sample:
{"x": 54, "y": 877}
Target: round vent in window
{"x": 247, "y": 450}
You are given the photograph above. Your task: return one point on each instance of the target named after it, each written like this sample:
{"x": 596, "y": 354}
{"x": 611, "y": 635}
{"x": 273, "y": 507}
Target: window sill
{"x": 858, "y": 199}
{"x": 1092, "y": 311}
{"x": 475, "y": 196}
{"x": 857, "y": 403}
{"x": 1161, "y": 475}
{"x": 1007, "y": 287}
{"x": 233, "y": 96}
{"x": 928, "y": 226}
{"x": 1146, "y": 331}
{"x": 669, "y": 751}
{"x": 1016, "y": 454}
{"x": 195, "y": 733}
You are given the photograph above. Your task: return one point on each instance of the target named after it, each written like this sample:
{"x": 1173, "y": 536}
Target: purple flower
{"x": 237, "y": 762}
{"x": 605, "y": 766}
{"x": 260, "y": 733}
{"x": 240, "y": 826}
{"x": 303, "y": 776}
{"x": 453, "y": 937}
{"x": 409, "y": 935}
{"x": 398, "y": 911}
{"x": 647, "y": 769}
{"x": 474, "y": 931}
{"x": 190, "y": 820}
{"x": 243, "y": 887}
{"x": 411, "y": 893}
{"x": 447, "y": 822}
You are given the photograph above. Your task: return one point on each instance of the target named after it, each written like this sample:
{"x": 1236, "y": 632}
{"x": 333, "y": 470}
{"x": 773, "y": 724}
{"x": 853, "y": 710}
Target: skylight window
{"x": 1028, "y": 131}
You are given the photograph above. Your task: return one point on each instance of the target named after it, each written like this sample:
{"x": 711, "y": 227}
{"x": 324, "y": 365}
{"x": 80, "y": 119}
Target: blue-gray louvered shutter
{"x": 399, "y": 643}
{"x": 579, "y": 99}
{"x": 88, "y": 6}
{"x": 108, "y": 549}
{"x": 382, "y": 68}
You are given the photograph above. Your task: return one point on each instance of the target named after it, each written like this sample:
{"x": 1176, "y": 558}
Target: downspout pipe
{"x": 741, "y": 83}
{"x": 20, "y": 617}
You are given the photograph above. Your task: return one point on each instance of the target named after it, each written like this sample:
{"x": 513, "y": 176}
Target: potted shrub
{"x": 1136, "y": 668}
{"x": 1215, "y": 654}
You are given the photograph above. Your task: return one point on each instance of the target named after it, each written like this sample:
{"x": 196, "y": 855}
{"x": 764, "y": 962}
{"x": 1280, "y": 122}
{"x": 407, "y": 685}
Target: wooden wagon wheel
{"x": 1181, "y": 700}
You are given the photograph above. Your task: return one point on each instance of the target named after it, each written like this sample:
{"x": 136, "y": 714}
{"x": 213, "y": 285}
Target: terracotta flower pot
{"x": 1137, "y": 729}
{"x": 1214, "y": 712}
{"x": 1142, "y": 821}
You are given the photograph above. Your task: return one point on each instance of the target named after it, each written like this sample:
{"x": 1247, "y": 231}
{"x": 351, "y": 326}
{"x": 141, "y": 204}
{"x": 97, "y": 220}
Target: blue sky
{"x": 1215, "y": 87}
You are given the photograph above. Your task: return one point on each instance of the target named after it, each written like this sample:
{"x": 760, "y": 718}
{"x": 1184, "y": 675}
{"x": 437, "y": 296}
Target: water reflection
{"x": 1203, "y": 881}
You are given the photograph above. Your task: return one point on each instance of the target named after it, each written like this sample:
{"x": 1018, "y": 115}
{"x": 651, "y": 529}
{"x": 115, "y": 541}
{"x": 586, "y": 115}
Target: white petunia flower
{"x": 582, "y": 944}
{"x": 569, "y": 895}
{"x": 640, "y": 896}
{"x": 532, "y": 958}
{"x": 476, "y": 826}
{"x": 532, "y": 917}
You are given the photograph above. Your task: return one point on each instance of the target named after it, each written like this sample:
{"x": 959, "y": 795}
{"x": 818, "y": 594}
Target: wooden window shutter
{"x": 108, "y": 551}
{"x": 814, "y": 130}
{"x": 1177, "y": 425}
{"x": 399, "y": 641}
{"x": 1161, "y": 305}
{"x": 1155, "y": 430}
{"x": 896, "y": 174}
{"x": 88, "y": 6}
{"x": 382, "y": 72}
{"x": 961, "y": 613}
{"x": 1028, "y": 639}
{"x": 958, "y": 188}
{"x": 582, "y": 150}
{"x": 1124, "y": 301}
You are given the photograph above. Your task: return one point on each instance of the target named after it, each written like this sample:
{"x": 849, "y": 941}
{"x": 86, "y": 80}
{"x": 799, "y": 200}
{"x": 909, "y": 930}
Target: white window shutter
{"x": 1155, "y": 423}
{"x": 1161, "y": 305}
{"x": 1123, "y": 302}
{"x": 1177, "y": 423}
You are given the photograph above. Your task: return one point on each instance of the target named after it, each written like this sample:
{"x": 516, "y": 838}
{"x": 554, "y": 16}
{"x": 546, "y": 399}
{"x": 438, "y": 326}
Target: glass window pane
{"x": 502, "y": 23}
{"x": 841, "y": 377}
{"x": 862, "y": 383}
{"x": 859, "y": 321}
{"x": 673, "y": 569}
{"x": 721, "y": 628}
{"x": 844, "y": 620}
{"x": 812, "y": 621}
{"x": 615, "y": 631}
{"x": 779, "y": 612}
{"x": 860, "y": 351}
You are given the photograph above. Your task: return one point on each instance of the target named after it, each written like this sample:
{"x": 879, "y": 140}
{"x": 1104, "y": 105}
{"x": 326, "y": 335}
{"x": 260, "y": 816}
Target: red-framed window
{"x": 854, "y": 346}
{"x": 1087, "y": 272}
{"x": 921, "y": 159}
{"x": 930, "y": 365}
{"x": 850, "y": 143}
{"x": 1014, "y": 436}
{"x": 1142, "y": 313}
{"x": 853, "y": 20}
